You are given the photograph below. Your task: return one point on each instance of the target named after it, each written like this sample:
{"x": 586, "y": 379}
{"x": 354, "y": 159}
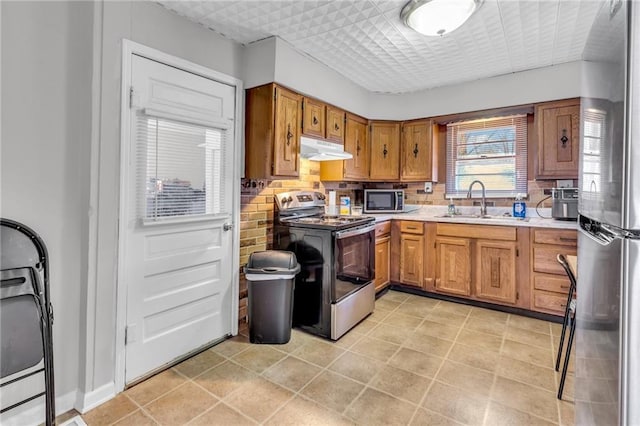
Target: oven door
{"x": 354, "y": 260}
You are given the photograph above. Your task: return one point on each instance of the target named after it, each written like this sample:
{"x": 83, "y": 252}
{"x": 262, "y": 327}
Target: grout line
{"x": 444, "y": 360}
{"x": 143, "y": 409}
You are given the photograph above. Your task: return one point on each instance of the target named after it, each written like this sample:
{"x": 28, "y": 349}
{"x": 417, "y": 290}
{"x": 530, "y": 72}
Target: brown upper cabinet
{"x": 336, "y": 122}
{"x": 272, "y": 132}
{"x": 385, "y": 150}
{"x": 417, "y": 150}
{"x": 558, "y": 128}
{"x": 323, "y": 121}
{"x": 355, "y": 143}
{"x": 313, "y": 117}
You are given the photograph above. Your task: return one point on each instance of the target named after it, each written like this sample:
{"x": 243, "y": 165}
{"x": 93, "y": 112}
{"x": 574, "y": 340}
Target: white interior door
{"x": 177, "y": 252}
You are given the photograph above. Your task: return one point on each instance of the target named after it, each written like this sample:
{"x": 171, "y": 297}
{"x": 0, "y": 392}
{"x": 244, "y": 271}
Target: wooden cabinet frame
{"x": 558, "y": 139}
{"x": 272, "y": 133}
{"x": 548, "y": 281}
{"x": 383, "y": 254}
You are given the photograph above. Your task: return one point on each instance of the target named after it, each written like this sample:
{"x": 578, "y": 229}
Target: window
{"x": 180, "y": 169}
{"x": 594, "y": 131}
{"x": 493, "y": 151}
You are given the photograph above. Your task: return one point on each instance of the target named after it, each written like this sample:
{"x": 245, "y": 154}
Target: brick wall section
{"x": 256, "y": 215}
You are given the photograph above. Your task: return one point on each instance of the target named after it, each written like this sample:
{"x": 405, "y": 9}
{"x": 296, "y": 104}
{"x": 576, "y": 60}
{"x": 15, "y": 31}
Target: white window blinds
{"x": 180, "y": 169}
{"x": 493, "y": 151}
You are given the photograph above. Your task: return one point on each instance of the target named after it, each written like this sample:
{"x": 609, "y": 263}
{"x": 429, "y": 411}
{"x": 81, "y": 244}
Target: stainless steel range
{"x": 334, "y": 289}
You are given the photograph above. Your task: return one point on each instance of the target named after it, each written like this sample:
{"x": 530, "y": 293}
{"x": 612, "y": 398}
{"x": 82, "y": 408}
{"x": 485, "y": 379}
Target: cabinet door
{"x": 416, "y": 150}
{"x": 382, "y": 262}
{"x": 286, "y": 147}
{"x": 558, "y": 140}
{"x": 356, "y": 144}
{"x": 335, "y": 124}
{"x": 411, "y": 259}
{"x": 496, "y": 270}
{"x": 453, "y": 269}
{"x": 385, "y": 151}
{"x": 313, "y": 119}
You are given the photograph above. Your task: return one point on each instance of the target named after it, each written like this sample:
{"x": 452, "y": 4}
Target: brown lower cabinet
{"x": 549, "y": 281}
{"x": 505, "y": 265}
{"x": 383, "y": 245}
{"x": 411, "y": 259}
{"x": 453, "y": 270}
{"x": 479, "y": 262}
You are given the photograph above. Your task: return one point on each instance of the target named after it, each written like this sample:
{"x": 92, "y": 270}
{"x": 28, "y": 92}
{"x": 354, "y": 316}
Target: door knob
{"x": 227, "y": 226}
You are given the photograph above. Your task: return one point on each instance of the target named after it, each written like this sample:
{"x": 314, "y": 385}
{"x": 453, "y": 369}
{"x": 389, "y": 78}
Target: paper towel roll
{"x": 333, "y": 208}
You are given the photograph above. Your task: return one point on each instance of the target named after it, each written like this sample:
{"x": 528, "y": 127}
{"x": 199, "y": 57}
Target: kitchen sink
{"x": 483, "y": 217}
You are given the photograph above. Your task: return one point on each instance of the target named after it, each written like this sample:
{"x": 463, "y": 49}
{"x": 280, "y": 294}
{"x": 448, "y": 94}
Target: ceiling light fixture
{"x": 438, "y": 17}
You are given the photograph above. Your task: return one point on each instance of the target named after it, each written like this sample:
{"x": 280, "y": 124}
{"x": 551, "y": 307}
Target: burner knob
{"x": 284, "y": 200}
{"x": 289, "y": 199}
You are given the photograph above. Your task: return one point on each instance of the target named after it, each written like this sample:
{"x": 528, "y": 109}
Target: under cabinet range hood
{"x": 317, "y": 150}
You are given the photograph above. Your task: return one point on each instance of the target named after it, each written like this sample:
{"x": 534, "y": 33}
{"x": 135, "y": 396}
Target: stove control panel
{"x": 299, "y": 199}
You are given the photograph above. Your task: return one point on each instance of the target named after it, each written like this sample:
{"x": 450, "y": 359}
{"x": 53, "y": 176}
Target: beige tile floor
{"x": 414, "y": 361}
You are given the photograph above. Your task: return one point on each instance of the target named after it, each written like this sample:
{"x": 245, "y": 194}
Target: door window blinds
{"x": 180, "y": 169}
{"x": 493, "y": 151}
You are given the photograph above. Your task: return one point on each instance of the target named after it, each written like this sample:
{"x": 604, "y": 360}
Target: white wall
{"x": 46, "y": 129}
{"x": 60, "y": 143}
{"x": 538, "y": 85}
{"x": 307, "y": 76}
{"x": 259, "y": 62}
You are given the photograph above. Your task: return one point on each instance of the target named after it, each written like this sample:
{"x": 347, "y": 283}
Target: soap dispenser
{"x": 451, "y": 209}
{"x": 519, "y": 207}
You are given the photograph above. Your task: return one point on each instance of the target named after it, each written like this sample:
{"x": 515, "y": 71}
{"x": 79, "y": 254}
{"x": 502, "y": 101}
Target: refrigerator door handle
{"x": 621, "y": 233}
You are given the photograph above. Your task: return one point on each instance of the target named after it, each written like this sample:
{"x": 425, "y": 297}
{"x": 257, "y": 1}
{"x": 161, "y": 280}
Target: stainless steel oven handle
{"x": 353, "y": 232}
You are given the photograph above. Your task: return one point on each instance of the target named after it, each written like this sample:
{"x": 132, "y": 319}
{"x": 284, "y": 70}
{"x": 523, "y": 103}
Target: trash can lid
{"x": 272, "y": 258}
{"x": 272, "y": 262}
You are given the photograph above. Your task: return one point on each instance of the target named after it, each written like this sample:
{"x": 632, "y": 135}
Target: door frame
{"x": 130, "y": 48}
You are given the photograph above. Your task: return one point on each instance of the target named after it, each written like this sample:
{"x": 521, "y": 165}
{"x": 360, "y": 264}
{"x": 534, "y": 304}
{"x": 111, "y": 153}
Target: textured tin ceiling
{"x": 365, "y": 40}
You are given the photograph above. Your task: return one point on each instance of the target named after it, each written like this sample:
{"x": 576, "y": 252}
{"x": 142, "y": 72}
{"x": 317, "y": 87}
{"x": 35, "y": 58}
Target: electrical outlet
{"x": 428, "y": 187}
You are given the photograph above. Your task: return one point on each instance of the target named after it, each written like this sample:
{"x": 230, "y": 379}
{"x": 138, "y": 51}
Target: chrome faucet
{"x": 483, "y": 202}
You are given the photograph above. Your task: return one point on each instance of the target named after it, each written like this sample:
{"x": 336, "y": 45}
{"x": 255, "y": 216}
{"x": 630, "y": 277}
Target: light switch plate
{"x": 428, "y": 187}
{"x": 564, "y": 183}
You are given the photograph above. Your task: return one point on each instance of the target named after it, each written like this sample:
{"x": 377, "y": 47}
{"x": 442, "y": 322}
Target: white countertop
{"x": 435, "y": 213}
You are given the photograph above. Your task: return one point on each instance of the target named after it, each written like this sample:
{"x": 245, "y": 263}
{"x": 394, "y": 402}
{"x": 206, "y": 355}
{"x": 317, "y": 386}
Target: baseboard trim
{"x": 33, "y": 414}
{"x": 87, "y": 401}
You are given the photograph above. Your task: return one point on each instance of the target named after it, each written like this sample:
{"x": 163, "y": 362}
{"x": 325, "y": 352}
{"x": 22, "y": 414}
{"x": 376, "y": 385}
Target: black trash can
{"x": 270, "y": 281}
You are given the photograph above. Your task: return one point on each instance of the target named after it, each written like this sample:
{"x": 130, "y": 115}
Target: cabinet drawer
{"x": 545, "y": 258}
{"x": 383, "y": 228}
{"x": 488, "y": 232}
{"x": 555, "y": 236}
{"x": 553, "y": 283}
{"x": 407, "y": 227}
{"x": 553, "y": 303}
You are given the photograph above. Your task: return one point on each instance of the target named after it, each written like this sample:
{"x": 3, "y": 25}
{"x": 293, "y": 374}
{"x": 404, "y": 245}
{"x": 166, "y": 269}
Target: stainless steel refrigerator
{"x": 607, "y": 381}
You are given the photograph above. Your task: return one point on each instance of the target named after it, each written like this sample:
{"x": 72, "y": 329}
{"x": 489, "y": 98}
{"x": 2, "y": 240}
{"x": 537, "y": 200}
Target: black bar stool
{"x": 569, "y": 319}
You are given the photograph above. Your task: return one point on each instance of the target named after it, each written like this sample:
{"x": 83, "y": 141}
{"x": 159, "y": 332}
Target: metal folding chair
{"x": 570, "y": 320}
{"x": 26, "y": 315}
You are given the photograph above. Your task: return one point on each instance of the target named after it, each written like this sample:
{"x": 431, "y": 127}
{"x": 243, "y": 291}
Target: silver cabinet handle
{"x": 227, "y": 226}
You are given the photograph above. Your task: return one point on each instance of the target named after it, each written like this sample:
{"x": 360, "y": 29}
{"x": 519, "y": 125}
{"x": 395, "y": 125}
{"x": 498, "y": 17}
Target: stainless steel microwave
{"x": 383, "y": 200}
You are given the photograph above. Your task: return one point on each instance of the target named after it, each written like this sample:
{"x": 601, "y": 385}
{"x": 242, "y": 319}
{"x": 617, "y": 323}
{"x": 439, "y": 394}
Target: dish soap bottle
{"x": 519, "y": 207}
{"x": 451, "y": 209}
